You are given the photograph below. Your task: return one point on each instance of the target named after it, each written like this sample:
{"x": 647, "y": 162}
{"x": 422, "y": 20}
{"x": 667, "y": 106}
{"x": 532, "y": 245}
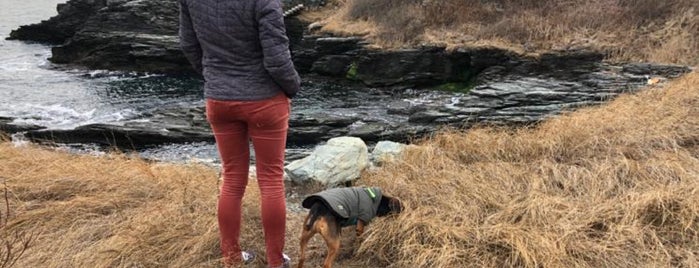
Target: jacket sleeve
{"x": 275, "y": 46}
{"x": 188, "y": 39}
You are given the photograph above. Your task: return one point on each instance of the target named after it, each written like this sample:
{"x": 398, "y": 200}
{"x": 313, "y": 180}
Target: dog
{"x": 332, "y": 209}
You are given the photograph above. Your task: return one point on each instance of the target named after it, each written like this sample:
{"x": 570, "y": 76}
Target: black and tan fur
{"x": 328, "y": 224}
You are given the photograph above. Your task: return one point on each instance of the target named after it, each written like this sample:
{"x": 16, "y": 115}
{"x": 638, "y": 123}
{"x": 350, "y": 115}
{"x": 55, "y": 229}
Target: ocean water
{"x": 35, "y": 91}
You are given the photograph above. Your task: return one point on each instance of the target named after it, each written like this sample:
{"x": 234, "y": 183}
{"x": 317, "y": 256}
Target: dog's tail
{"x": 316, "y": 210}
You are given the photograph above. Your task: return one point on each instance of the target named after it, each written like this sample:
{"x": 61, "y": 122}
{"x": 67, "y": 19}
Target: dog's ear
{"x": 395, "y": 205}
{"x": 384, "y": 207}
{"x": 388, "y": 205}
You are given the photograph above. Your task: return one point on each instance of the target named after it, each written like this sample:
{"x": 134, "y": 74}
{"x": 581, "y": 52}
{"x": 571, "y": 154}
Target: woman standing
{"x": 241, "y": 49}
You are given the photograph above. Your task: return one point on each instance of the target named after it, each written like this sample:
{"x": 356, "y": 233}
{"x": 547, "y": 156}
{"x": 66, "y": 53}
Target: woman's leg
{"x": 232, "y": 142}
{"x": 268, "y": 124}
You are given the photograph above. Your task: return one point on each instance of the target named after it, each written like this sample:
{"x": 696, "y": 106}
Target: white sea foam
{"x": 13, "y": 67}
{"x": 19, "y": 140}
{"x": 58, "y": 116}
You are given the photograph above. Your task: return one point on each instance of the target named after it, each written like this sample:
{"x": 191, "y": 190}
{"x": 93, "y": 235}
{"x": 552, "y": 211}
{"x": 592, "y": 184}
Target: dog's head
{"x": 389, "y": 205}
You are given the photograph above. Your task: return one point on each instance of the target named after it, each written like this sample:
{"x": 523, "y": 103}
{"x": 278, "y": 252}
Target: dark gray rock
{"x": 7, "y": 126}
{"x": 565, "y": 64}
{"x": 482, "y": 58}
{"x": 407, "y": 67}
{"x": 406, "y": 133}
{"x": 307, "y": 135}
{"x": 304, "y": 120}
{"x": 337, "y": 45}
{"x": 71, "y": 17}
{"x": 164, "y": 126}
{"x": 426, "y": 117}
{"x": 123, "y": 137}
{"x": 399, "y": 107}
{"x": 294, "y": 30}
{"x": 517, "y": 101}
{"x": 129, "y": 35}
{"x": 332, "y": 65}
{"x": 656, "y": 69}
{"x": 367, "y": 131}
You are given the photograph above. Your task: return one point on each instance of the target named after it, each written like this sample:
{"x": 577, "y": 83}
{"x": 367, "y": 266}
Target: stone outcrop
{"x": 373, "y": 115}
{"x": 340, "y": 160}
{"x": 8, "y": 126}
{"x": 71, "y": 17}
{"x": 429, "y": 66}
{"x": 141, "y": 35}
{"x": 128, "y": 35}
{"x": 165, "y": 126}
{"x": 120, "y": 136}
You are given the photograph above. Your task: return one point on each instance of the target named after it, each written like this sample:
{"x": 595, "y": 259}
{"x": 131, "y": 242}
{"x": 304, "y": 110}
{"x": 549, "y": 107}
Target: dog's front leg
{"x": 360, "y": 227}
{"x": 357, "y": 239}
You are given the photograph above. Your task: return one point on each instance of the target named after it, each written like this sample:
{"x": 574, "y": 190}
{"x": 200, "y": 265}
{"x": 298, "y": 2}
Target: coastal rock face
{"x": 71, "y": 17}
{"x": 349, "y": 58}
{"x": 128, "y": 35}
{"x": 121, "y": 136}
{"x": 423, "y": 66}
{"x": 141, "y": 35}
{"x": 8, "y": 126}
{"x": 132, "y": 35}
{"x": 324, "y": 110}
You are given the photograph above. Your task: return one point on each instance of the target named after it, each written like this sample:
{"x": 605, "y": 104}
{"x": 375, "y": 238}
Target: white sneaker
{"x": 247, "y": 256}
{"x": 286, "y": 261}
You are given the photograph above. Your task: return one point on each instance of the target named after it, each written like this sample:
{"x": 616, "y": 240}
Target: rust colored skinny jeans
{"x": 234, "y": 123}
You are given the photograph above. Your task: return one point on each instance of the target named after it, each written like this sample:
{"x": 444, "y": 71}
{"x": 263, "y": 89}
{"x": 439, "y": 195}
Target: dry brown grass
{"x": 119, "y": 211}
{"x": 646, "y": 30}
{"x": 114, "y": 211}
{"x": 610, "y": 186}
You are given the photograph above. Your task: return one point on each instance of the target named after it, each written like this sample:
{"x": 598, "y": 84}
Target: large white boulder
{"x": 340, "y": 160}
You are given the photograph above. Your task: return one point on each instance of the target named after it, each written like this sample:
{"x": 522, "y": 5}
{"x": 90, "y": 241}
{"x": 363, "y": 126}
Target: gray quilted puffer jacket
{"x": 240, "y": 47}
{"x": 350, "y": 203}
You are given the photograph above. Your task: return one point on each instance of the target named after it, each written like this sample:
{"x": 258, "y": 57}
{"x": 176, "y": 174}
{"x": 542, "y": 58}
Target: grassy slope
{"x": 628, "y": 30}
{"x": 610, "y": 186}
{"x": 614, "y": 185}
